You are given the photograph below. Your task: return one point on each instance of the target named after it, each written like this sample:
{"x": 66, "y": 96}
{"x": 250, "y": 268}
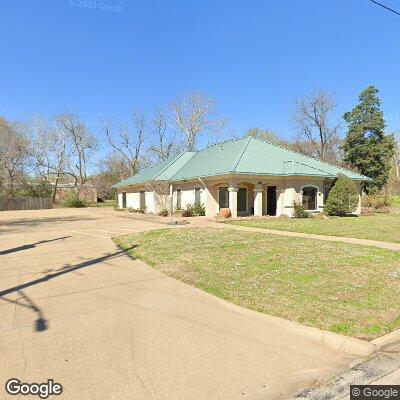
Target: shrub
{"x": 73, "y": 201}
{"x": 102, "y": 204}
{"x": 343, "y": 197}
{"x": 376, "y": 203}
{"x": 299, "y": 211}
{"x": 163, "y": 213}
{"x": 137, "y": 210}
{"x": 188, "y": 212}
{"x": 198, "y": 209}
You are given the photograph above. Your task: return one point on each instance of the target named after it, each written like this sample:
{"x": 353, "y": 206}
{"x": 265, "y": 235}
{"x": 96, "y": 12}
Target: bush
{"x": 199, "y": 209}
{"x": 299, "y": 211}
{"x": 73, "y": 201}
{"x": 343, "y": 197}
{"x": 376, "y": 203}
{"x": 137, "y": 210}
{"x": 188, "y": 212}
{"x": 102, "y": 204}
{"x": 163, "y": 213}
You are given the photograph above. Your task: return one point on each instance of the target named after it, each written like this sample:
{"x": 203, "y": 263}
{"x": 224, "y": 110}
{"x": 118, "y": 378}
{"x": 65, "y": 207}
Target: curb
{"x": 331, "y": 340}
{"x": 387, "y": 340}
{"x": 336, "y": 341}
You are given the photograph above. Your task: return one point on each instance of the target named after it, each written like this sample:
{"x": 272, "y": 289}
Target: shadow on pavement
{"x": 14, "y": 225}
{"x": 41, "y": 323}
{"x": 30, "y": 246}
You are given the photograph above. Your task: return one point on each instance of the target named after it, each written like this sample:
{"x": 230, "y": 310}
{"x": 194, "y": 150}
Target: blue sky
{"x": 253, "y": 57}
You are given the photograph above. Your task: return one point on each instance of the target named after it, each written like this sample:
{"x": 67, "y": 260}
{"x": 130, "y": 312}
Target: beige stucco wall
{"x": 188, "y": 193}
{"x": 133, "y": 198}
{"x": 288, "y": 190}
{"x": 292, "y": 192}
{"x": 156, "y": 200}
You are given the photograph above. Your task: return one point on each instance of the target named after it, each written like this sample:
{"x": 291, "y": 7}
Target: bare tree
{"x": 193, "y": 116}
{"x": 83, "y": 145}
{"x": 13, "y": 153}
{"x": 128, "y": 143}
{"x": 166, "y": 144}
{"x": 311, "y": 118}
{"x": 393, "y": 184}
{"x": 162, "y": 194}
{"x": 110, "y": 170}
{"x": 396, "y": 155}
{"x": 51, "y": 151}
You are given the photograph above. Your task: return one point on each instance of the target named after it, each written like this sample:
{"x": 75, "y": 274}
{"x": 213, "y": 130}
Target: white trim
{"x": 316, "y": 196}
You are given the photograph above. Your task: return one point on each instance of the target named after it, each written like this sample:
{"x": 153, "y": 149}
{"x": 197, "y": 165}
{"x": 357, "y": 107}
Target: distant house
{"x": 87, "y": 192}
{"x": 249, "y": 176}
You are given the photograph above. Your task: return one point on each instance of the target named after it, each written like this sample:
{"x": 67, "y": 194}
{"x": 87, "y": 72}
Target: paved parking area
{"x": 76, "y": 309}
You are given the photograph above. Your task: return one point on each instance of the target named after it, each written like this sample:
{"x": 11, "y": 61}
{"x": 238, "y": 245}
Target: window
{"x": 179, "y": 199}
{"x": 223, "y": 197}
{"x": 197, "y": 198}
{"x": 309, "y": 198}
{"x": 142, "y": 194}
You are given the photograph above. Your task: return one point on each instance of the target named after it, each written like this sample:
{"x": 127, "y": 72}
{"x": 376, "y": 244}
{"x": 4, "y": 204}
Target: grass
{"x": 106, "y": 203}
{"x": 383, "y": 227}
{"x": 395, "y": 201}
{"x": 340, "y": 287}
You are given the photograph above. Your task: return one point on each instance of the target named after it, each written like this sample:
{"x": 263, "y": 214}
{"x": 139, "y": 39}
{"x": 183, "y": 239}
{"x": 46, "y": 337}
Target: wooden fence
{"x": 25, "y": 203}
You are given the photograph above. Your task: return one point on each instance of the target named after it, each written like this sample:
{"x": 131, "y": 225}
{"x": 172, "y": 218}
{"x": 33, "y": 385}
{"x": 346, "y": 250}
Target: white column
{"x": 359, "y": 205}
{"x": 171, "y": 201}
{"x": 119, "y": 200}
{"x": 233, "y": 201}
{"x": 258, "y": 202}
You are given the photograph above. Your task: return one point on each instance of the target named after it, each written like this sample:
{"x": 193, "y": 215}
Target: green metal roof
{"x": 242, "y": 156}
{"x": 162, "y": 171}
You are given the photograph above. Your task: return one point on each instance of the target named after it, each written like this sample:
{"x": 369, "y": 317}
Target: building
{"x": 86, "y": 192}
{"x": 249, "y": 176}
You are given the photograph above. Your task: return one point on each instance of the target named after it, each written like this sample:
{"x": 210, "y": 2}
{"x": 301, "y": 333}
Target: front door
{"x": 271, "y": 200}
{"x": 124, "y": 200}
{"x": 242, "y": 200}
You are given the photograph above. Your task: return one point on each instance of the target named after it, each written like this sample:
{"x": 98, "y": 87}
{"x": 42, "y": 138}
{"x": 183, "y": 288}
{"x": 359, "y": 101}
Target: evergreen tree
{"x": 366, "y": 146}
{"x": 343, "y": 197}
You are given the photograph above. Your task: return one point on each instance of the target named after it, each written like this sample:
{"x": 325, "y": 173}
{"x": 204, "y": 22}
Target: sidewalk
{"x": 195, "y": 222}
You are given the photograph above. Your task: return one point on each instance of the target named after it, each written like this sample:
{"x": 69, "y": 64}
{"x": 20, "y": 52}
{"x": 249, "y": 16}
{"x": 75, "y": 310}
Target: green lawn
{"x": 383, "y": 227}
{"x": 395, "y": 201}
{"x": 344, "y": 288}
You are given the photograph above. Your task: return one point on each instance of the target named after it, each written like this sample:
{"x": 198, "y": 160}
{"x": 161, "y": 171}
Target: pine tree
{"x": 366, "y": 146}
{"x": 343, "y": 197}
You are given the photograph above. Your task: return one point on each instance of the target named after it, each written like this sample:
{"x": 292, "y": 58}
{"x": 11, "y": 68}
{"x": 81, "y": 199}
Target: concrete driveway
{"x": 74, "y": 308}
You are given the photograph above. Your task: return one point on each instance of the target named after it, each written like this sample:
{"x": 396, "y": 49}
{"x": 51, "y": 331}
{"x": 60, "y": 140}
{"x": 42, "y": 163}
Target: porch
{"x": 245, "y": 198}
